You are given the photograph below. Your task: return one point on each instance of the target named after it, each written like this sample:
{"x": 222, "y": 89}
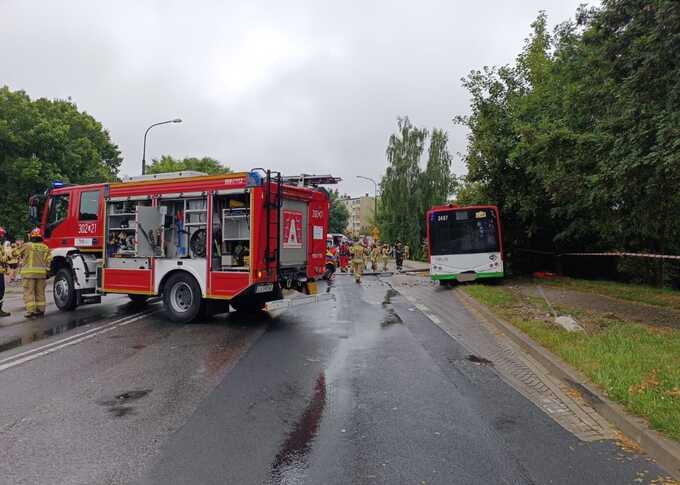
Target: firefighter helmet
{"x": 35, "y": 233}
{"x": 2, "y": 231}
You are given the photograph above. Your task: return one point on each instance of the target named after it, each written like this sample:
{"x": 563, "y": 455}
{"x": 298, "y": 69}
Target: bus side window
{"x": 57, "y": 212}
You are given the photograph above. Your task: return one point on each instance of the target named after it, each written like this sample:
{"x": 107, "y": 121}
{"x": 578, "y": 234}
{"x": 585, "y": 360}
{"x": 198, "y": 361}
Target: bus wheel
{"x": 182, "y": 298}
{"x": 64, "y": 291}
{"x": 138, "y": 299}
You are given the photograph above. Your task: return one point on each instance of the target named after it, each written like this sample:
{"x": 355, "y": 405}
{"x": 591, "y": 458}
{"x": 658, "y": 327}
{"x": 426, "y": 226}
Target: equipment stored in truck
{"x": 202, "y": 242}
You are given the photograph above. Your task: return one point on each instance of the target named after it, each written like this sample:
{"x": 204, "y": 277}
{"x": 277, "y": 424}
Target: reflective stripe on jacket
{"x": 36, "y": 259}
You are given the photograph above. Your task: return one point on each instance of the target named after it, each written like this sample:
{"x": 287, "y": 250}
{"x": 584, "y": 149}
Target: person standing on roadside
{"x": 3, "y": 269}
{"x": 35, "y": 265}
{"x": 385, "y": 254}
{"x": 358, "y": 253}
{"x": 398, "y": 255}
{"x": 344, "y": 256}
{"x": 12, "y": 261}
{"x": 375, "y": 256}
{"x": 407, "y": 252}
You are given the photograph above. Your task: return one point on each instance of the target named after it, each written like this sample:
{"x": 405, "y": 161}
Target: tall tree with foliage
{"x": 169, "y": 164}
{"x": 437, "y": 181}
{"x": 407, "y": 191}
{"x": 400, "y": 184}
{"x": 338, "y": 215}
{"x": 577, "y": 141}
{"x": 46, "y": 140}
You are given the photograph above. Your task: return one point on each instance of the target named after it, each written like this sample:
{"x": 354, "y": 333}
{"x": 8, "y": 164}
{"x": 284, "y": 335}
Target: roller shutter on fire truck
{"x": 294, "y": 235}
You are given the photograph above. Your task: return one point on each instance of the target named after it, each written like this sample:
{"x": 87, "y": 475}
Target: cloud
{"x": 311, "y": 86}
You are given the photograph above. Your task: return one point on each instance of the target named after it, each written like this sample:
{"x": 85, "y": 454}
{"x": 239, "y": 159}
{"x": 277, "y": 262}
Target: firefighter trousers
{"x": 357, "y": 269}
{"x": 34, "y": 294}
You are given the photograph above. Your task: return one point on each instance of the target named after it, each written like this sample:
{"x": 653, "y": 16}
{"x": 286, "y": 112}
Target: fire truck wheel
{"x": 138, "y": 299}
{"x": 182, "y": 297}
{"x": 64, "y": 291}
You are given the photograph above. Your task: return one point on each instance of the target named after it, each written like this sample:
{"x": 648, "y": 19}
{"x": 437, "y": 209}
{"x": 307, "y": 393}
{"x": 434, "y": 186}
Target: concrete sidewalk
{"x": 416, "y": 265}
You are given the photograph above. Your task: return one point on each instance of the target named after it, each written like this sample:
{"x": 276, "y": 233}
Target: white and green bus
{"x": 465, "y": 243}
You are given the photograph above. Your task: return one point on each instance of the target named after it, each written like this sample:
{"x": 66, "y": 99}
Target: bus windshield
{"x": 463, "y": 232}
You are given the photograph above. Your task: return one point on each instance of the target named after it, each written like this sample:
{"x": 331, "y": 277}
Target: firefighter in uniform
{"x": 358, "y": 252}
{"x": 385, "y": 254}
{"x": 3, "y": 268}
{"x": 375, "y": 256}
{"x": 36, "y": 258}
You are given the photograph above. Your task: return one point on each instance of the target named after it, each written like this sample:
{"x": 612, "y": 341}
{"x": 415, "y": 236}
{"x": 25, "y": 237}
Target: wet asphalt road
{"x": 365, "y": 389}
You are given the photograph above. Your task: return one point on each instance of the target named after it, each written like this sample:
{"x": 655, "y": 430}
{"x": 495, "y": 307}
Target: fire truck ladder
{"x": 271, "y": 202}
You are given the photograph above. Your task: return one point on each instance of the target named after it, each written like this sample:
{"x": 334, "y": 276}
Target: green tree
{"x": 407, "y": 191}
{"x": 399, "y": 187}
{"x": 577, "y": 141}
{"x": 169, "y": 164}
{"x": 338, "y": 215}
{"x": 46, "y": 140}
{"x": 437, "y": 182}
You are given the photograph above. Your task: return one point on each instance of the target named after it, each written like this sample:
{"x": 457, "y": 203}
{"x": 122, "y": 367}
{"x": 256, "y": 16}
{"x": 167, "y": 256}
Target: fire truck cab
{"x": 202, "y": 242}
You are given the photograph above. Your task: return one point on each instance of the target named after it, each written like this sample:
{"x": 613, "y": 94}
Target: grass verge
{"x": 625, "y": 291}
{"x": 635, "y": 365}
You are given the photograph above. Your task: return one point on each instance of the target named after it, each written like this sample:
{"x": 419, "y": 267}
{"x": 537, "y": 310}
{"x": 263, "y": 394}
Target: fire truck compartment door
{"x": 293, "y": 237}
{"x": 149, "y": 229}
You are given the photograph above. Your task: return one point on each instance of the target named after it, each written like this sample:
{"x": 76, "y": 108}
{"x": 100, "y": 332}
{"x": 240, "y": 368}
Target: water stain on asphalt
{"x": 475, "y": 359}
{"x": 389, "y": 295}
{"x": 390, "y": 318}
{"x": 291, "y": 461}
{"x": 33, "y": 334}
{"x": 118, "y": 404}
{"x": 10, "y": 344}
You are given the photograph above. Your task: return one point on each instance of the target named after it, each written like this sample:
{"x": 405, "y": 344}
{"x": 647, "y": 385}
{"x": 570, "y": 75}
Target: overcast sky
{"x": 302, "y": 86}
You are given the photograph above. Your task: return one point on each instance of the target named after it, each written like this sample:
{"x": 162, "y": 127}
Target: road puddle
{"x": 291, "y": 463}
{"x": 391, "y": 293}
{"x": 475, "y": 359}
{"x": 390, "y": 318}
{"x": 118, "y": 405}
{"x": 36, "y": 330}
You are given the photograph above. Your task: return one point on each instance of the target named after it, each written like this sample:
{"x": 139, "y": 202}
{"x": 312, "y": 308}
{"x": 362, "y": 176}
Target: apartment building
{"x": 361, "y": 213}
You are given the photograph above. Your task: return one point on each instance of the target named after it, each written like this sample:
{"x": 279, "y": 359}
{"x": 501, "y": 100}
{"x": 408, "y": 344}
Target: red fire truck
{"x": 203, "y": 242}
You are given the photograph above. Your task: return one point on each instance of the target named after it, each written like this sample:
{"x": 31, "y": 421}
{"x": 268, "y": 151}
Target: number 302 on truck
{"x": 202, "y": 242}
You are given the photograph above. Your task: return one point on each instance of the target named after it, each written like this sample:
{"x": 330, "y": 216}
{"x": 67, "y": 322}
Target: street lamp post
{"x": 176, "y": 120}
{"x": 375, "y": 198}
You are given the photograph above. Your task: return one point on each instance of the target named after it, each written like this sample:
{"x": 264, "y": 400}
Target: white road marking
{"x": 44, "y": 350}
{"x": 428, "y": 313}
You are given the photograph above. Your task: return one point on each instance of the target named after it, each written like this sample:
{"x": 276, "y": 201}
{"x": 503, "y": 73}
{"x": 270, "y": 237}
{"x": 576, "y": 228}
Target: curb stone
{"x": 663, "y": 450}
